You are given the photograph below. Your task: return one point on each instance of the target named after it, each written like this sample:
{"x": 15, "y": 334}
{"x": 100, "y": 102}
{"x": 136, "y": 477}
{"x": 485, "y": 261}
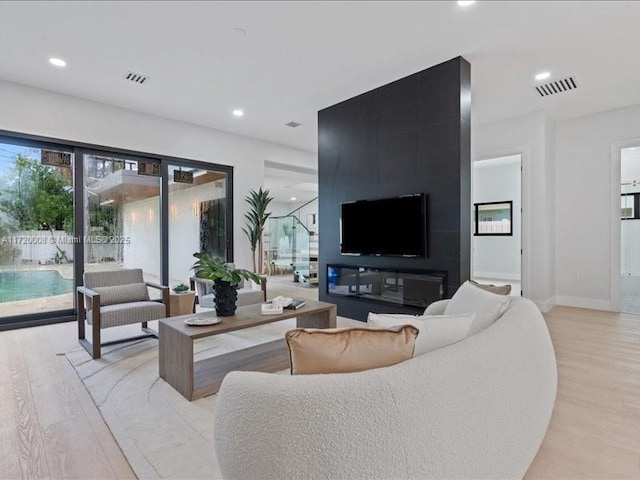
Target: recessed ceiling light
{"x": 238, "y": 112}
{"x": 293, "y": 199}
{"x": 238, "y": 32}
{"x": 58, "y": 62}
{"x": 542, "y": 75}
{"x": 466, "y": 3}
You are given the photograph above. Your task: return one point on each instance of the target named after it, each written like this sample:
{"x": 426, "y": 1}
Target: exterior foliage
{"x": 38, "y": 197}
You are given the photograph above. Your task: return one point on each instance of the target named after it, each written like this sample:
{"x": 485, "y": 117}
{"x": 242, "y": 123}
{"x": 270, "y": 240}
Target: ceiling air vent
{"x": 556, "y": 86}
{"x": 293, "y": 124}
{"x": 136, "y": 78}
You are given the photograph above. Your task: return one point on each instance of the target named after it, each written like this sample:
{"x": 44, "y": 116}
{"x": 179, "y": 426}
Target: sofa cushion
{"x": 131, "y": 292}
{"x": 487, "y": 306}
{"x": 498, "y": 289}
{"x": 344, "y": 350}
{"x": 436, "y": 331}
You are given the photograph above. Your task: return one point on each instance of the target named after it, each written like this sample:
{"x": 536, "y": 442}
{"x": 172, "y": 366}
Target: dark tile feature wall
{"x": 410, "y": 136}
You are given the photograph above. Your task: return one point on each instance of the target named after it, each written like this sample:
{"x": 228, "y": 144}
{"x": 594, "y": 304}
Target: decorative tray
{"x": 202, "y": 321}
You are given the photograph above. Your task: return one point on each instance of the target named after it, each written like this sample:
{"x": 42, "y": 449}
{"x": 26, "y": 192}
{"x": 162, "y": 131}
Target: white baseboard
{"x": 589, "y": 303}
{"x": 497, "y": 276}
{"x": 546, "y": 305}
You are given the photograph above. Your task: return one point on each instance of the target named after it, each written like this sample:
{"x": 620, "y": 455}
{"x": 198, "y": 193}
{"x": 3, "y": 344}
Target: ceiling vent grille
{"x": 556, "y": 86}
{"x": 293, "y": 124}
{"x": 137, "y": 78}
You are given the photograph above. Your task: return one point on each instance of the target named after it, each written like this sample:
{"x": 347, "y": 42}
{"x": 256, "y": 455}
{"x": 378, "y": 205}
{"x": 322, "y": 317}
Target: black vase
{"x": 225, "y": 298}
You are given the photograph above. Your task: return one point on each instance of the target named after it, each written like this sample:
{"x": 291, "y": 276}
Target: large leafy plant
{"x": 213, "y": 268}
{"x": 256, "y": 220}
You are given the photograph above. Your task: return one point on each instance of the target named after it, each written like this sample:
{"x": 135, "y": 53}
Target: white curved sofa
{"x": 476, "y": 409}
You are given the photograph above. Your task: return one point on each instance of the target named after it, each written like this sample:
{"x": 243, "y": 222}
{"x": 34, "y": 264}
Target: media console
{"x": 410, "y": 288}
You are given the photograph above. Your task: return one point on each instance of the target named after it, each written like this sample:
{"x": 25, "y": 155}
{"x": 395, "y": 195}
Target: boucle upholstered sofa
{"x": 476, "y": 409}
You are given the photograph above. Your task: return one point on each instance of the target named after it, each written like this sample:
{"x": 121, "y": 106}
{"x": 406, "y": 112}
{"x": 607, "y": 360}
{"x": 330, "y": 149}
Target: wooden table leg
{"x": 326, "y": 319}
{"x": 175, "y": 356}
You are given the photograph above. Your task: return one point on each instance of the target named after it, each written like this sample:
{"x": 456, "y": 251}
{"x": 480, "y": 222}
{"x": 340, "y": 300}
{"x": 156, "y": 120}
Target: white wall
{"x": 40, "y": 247}
{"x": 585, "y": 230}
{"x": 532, "y": 136}
{"x": 40, "y": 112}
{"x": 184, "y": 228}
{"x": 498, "y": 256}
{"x": 141, "y": 224}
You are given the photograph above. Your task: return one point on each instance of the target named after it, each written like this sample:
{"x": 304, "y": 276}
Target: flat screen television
{"x": 387, "y": 227}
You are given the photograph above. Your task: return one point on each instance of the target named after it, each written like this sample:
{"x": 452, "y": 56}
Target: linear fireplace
{"x": 409, "y": 288}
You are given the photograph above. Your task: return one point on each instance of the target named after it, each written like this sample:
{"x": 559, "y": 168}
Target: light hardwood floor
{"x": 50, "y": 427}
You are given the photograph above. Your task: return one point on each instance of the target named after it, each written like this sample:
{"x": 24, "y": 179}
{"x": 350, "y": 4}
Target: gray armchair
{"x": 115, "y": 298}
{"x": 246, "y": 295}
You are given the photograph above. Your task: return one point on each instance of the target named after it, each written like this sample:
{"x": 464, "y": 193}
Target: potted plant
{"x": 225, "y": 280}
{"x": 256, "y": 220}
{"x": 180, "y": 288}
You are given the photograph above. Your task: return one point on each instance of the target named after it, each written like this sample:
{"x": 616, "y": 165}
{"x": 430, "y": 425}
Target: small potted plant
{"x": 180, "y": 288}
{"x": 225, "y": 281}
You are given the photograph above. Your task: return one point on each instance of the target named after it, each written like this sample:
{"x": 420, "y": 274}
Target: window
{"x": 493, "y": 218}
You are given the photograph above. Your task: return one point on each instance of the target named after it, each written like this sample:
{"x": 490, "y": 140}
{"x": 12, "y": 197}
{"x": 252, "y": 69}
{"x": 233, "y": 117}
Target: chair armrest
{"x": 87, "y": 292}
{"x": 165, "y": 294}
{"x": 156, "y": 285}
{"x": 84, "y": 292}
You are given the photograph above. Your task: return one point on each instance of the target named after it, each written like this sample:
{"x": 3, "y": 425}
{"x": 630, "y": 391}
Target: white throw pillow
{"x": 487, "y": 306}
{"x": 436, "y": 331}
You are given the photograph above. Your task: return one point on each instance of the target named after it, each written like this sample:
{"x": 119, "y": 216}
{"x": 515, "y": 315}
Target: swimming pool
{"x": 32, "y": 284}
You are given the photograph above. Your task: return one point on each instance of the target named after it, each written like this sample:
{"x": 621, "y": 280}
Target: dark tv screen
{"x": 391, "y": 226}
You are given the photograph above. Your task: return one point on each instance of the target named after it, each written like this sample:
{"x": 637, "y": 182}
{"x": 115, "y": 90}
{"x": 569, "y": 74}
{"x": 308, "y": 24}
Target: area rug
{"x": 161, "y": 433}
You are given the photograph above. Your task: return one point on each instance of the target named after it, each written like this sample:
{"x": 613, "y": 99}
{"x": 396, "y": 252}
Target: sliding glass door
{"x": 71, "y": 208}
{"x": 122, "y": 215}
{"x": 36, "y": 229}
{"x": 197, "y": 218}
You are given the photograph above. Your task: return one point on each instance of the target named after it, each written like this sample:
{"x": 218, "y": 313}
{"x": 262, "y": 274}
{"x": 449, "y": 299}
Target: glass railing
{"x": 290, "y": 247}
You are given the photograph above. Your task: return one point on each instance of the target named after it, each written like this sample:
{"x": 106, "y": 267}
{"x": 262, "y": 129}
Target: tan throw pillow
{"x": 344, "y": 350}
{"x": 499, "y": 289}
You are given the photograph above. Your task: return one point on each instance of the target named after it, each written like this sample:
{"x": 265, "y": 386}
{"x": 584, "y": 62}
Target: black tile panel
{"x": 399, "y": 94}
{"x": 440, "y": 135}
{"x": 410, "y": 136}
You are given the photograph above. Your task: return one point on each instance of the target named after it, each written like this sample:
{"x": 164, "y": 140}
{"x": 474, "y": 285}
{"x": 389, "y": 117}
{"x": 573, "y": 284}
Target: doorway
{"x": 630, "y": 230}
{"x": 497, "y": 222}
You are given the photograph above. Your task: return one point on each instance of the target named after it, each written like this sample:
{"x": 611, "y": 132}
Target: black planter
{"x": 225, "y": 298}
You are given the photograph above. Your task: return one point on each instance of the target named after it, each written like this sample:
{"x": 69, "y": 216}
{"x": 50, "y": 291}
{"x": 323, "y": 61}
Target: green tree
{"x": 39, "y": 197}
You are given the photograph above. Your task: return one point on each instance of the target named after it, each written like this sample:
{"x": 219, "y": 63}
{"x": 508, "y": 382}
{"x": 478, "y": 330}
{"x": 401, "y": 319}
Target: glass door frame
{"x": 33, "y": 319}
{"x": 79, "y": 150}
{"x": 164, "y": 206}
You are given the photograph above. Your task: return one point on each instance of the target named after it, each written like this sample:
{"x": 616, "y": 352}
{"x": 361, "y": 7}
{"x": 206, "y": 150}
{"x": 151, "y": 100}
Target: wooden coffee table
{"x": 198, "y": 379}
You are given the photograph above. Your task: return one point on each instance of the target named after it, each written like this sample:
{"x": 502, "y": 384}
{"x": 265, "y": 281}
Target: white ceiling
{"x": 299, "y": 57}
{"x": 285, "y": 182}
